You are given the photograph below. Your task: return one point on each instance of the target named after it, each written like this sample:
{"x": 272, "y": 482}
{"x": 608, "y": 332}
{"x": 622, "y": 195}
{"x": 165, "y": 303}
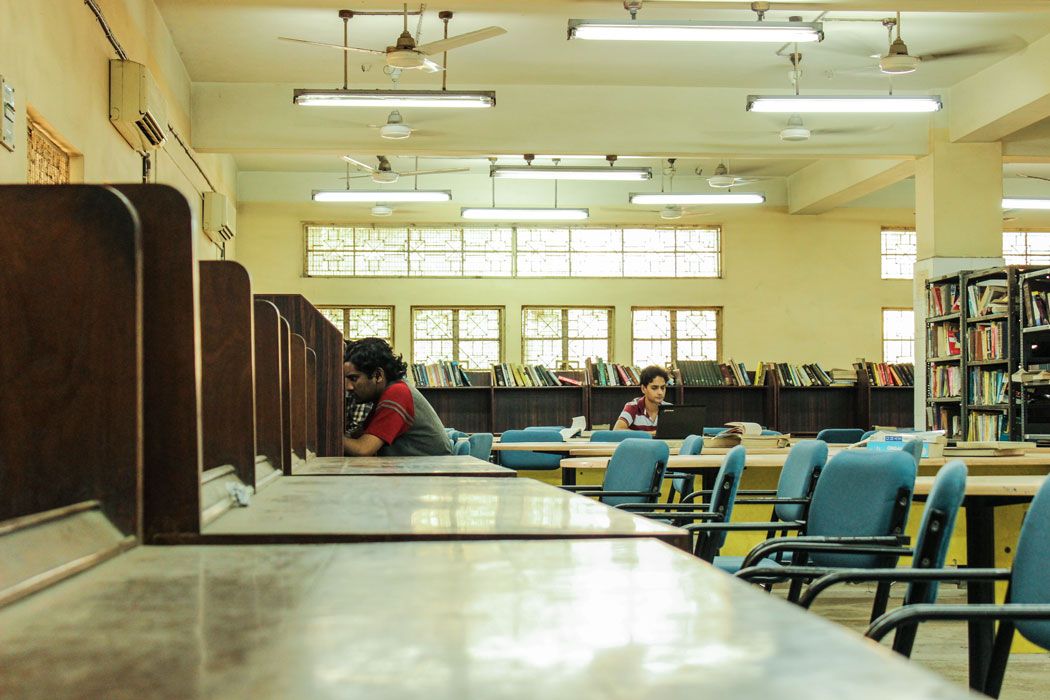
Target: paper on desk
{"x": 578, "y": 424}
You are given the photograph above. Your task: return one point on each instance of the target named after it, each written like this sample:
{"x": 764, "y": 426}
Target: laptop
{"x": 677, "y": 422}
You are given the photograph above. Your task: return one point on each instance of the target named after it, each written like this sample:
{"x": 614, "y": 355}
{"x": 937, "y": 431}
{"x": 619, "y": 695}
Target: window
{"x": 473, "y": 336}
{"x": 665, "y": 335}
{"x": 1026, "y": 247}
{"x": 551, "y": 336}
{"x": 47, "y": 162}
{"x": 365, "y": 251}
{"x": 356, "y": 322}
{"x": 898, "y": 255}
{"x": 898, "y": 335}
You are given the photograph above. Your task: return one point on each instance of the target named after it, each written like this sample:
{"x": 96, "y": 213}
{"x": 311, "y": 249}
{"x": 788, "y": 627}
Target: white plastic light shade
{"x": 697, "y": 198}
{"x": 382, "y": 196}
{"x": 676, "y": 30}
{"x": 565, "y": 172}
{"x": 864, "y": 104}
{"x": 1025, "y": 203}
{"x": 523, "y": 214}
{"x": 395, "y": 98}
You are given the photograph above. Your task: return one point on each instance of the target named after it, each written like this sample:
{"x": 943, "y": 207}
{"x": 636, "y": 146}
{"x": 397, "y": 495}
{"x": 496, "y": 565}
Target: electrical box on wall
{"x": 216, "y": 217}
{"x": 7, "y": 120}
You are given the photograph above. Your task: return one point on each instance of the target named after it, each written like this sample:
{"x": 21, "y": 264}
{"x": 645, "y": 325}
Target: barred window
{"x": 356, "y": 322}
{"x": 368, "y": 251}
{"x": 662, "y": 335}
{"x": 554, "y": 336}
{"x": 47, "y": 162}
{"x": 471, "y": 335}
{"x": 898, "y": 335}
{"x": 1026, "y": 247}
{"x": 898, "y": 254}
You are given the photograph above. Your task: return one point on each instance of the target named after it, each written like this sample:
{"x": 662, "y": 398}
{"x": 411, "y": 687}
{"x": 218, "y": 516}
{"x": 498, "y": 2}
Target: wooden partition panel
{"x": 228, "y": 386}
{"x": 70, "y": 363}
{"x": 269, "y": 440}
{"x": 326, "y": 340}
{"x": 286, "y": 393}
{"x": 311, "y": 401}
{"x": 297, "y": 382}
{"x": 171, "y": 359}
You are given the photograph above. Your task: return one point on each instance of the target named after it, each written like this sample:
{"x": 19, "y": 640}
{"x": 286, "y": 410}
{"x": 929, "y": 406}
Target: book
{"x": 569, "y": 380}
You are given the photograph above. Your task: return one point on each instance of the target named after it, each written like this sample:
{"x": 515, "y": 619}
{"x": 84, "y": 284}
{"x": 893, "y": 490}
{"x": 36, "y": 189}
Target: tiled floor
{"x": 940, "y": 646}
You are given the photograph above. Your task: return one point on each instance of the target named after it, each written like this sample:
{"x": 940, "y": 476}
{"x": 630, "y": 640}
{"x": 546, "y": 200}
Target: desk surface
{"x": 562, "y": 620}
{"x": 444, "y": 465}
{"x": 1003, "y": 485}
{"x": 388, "y": 508}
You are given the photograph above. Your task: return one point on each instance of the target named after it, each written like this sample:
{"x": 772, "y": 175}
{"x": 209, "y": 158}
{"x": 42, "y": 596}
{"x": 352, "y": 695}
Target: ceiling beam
{"x": 865, "y": 5}
{"x": 1004, "y": 98}
{"x": 826, "y": 184}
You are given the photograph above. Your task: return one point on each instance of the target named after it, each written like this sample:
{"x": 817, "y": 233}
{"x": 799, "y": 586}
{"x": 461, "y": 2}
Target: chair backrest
{"x": 914, "y": 448}
{"x": 636, "y": 465}
{"x": 867, "y": 434}
{"x": 798, "y": 477}
{"x": 462, "y": 447}
{"x": 525, "y": 459}
{"x": 619, "y": 435}
{"x": 454, "y": 436}
{"x": 935, "y": 529}
{"x": 723, "y": 494}
{"x": 691, "y": 445}
{"x": 481, "y": 445}
{"x": 861, "y": 493}
{"x": 1028, "y": 582}
{"x": 767, "y": 431}
{"x": 544, "y": 427}
{"x": 846, "y": 436}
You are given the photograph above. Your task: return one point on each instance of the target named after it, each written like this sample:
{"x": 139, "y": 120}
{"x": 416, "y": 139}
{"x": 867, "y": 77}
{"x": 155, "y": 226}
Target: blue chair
{"x": 838, "y": 436}
{"x": 682, "y": 483}
{"x": 633, "y": 475}
{"x": 856, "y": 519}
{"x": 619, "y": 435}
{"x": 526, "y": 459}
{"x": 462, "y": 447}
{"x": 454, "y": 436}
{"x": 930, "y": 551}
{"x": 867, "y": 434}
{"x": 544, "y": 427}
{"x": 1027, "y": 605}
{"x": 914, "y": 448}
{"x": 481, "y": 446}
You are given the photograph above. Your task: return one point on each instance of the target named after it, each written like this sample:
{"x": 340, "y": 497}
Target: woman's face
{"x": 655, "y": 390}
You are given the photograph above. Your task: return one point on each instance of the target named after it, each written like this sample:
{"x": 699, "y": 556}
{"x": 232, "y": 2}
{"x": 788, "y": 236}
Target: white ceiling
{"x": 676, "y": 99}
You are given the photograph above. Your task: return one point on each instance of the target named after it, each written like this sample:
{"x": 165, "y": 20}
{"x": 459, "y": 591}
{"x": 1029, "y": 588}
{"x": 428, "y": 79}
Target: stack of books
{"x": 887, "y": 373}
{"x": 987, "y": 297}
{"x": 444, "y": 373}
{"x": 1037, "y": 307}
{"x": 511, "y": 374}
{"x": 797, "y": 375}
{"x": 611, "y": 374}
{"x": 711, "y": 373}
{"x": 843, "y": 377}
{"x": 944, "y": 299}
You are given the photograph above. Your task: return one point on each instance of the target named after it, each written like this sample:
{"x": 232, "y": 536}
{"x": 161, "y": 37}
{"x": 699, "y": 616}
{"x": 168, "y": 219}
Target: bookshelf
{"x": 1032, "y": 396}
{"x": 944, "y": 360}
{"x": 468, "y": 408}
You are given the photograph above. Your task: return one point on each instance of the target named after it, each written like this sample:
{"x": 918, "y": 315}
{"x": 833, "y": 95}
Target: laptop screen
{"x": 677, "y": 422}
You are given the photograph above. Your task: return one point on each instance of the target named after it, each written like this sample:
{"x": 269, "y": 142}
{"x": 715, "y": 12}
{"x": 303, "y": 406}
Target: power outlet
{"x": 7, "y": 123}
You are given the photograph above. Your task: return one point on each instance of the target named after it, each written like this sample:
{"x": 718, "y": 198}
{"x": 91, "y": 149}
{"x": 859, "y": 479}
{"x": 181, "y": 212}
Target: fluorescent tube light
{"x": 704, "y": 198}
{"x": 684, "y": 30}
{"x": 569, "y": 172}
{"x": 385, "y": 196}
{"x": 395, "y": 98}
{"x": 1025, "y": 203}
{"x": 523, "y": 214}
{"x": 845, "y": 103}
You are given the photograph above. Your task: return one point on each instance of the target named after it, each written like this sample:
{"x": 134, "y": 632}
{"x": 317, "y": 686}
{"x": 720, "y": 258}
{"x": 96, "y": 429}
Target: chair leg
{"x": 1000, "y": 656}
{"x": 795, "y": 591}
{"x": 904, "y": 639}
{"x": 882, "y": 599}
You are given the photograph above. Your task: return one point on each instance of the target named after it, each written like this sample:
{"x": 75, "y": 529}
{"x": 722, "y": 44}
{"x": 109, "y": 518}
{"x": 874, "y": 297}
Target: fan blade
{"x": 1034, "y": 177}
{"x": 333, "y": 46}
{"x": 454, "y": 42}
{"x": 359, "y": 164}
{"x": 429, "y": 66}
{"x": 352, "y": 177}
{"x": 857, "y": 130}
{"x": 434, "y": 172}
{"x": 1008, "y": 46}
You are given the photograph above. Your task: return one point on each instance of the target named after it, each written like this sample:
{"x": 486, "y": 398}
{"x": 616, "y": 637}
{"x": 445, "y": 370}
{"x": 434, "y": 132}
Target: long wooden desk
{"x": 561, "y": 620}
{"x": 443, "y": 465}
{"x": 389, "y": 508}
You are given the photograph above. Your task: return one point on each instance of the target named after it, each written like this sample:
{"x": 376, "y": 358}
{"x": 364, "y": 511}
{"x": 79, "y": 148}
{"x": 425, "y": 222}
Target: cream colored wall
{"x": 56, "y": 56}
{"x": 794, "y": 288}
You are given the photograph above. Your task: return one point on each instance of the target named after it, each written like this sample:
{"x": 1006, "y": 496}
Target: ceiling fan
{"x": 670, "y": 212}
{"x": 722, "y": 179}
{"x": 395, "y": 127}
{"x": 406, "y": 53}
{"x": 796, "y": 131}
{"x": 386, "y": 175}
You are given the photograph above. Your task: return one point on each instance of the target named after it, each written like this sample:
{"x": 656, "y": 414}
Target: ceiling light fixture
{"x": 696, "y": 198}
{"x": 523, "y": 214}
{"x": 685, "y": 30}
{"x": 385, "y": 196}
{"x": 569, "y": 172}
{"x": 1025, "y": 203}
{"x": 478, "y": 99}
{"x": 843, "y": 103}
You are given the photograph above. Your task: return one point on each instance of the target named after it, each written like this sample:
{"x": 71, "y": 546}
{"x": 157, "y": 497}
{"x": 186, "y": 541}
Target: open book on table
{"x": 746, "y": 434}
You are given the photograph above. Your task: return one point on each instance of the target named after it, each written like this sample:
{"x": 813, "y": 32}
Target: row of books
{"x": 511, "y": 374}
{"x": 443, "y": 373}
{"x": 943, "y": 340}
{"x": 987, "y": 297}
{"x": 1037, "y": 307}
{"x": 794, "y": 375}
{"x": 988, "y": 386}
{"x": 943, "y": 299}
{"x": 985, "y": 425}
{"x": 944, "y": 418}
{"x": 888, "y": 373}
{"x": 711, "y": 373}
{"x": 945, "y": 381}
{"x": 985, "y": 341}
{"x": 612, "y": 374}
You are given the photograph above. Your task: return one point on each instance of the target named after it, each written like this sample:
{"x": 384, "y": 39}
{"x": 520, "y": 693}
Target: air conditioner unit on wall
{"x": 136, "y": 107}
{"x": 216, "y": 217}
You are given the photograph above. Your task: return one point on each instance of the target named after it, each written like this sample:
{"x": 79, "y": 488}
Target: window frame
{"x": 882, "y": 314}
{"x": 674, "y": 323}
{"x": 347, "y": 307}
{"x": 1027, "y": 253}
{"x": 565, "y": 338}
{"x": 882, "y": 255}
{"x": 455, "y": 329}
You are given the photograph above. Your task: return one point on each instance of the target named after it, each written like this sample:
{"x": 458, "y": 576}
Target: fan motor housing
{"x": 384, "y": 176}
{"x": 898, "y": 64}
{"x": 381, "y": 210}
{"x": 395, "y": 131}
{"x": 795, "y": 133}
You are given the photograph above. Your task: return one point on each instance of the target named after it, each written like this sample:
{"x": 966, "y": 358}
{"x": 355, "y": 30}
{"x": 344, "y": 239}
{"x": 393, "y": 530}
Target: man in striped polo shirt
{"x": 643, "y": 412}
{"x": 403, "y": 423}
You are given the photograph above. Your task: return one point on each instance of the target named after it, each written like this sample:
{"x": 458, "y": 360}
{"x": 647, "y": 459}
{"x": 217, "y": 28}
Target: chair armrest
{"x": 582, "y": 487}
{"x": 745, "y": 527}
{"x": 904, "y": 574}
{"x": 666, "y": 506}
{"x": 923, "y": 612}
{"x": 769, "y": 501}
{"x": 682, "y": 515}
{"x": 808, "y": 543}
{"x": 756, "y": 492}
{"x": 649, "y": 494}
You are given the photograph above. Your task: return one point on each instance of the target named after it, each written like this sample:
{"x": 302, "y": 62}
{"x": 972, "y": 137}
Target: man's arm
{"x": 621, "y": 424}
{"x": 364, "y": 446}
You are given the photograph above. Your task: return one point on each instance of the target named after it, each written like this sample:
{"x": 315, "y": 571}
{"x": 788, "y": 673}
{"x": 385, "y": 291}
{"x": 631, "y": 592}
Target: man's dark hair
{"x": 649, "y": 374}
{"x": 370, "y": 354}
